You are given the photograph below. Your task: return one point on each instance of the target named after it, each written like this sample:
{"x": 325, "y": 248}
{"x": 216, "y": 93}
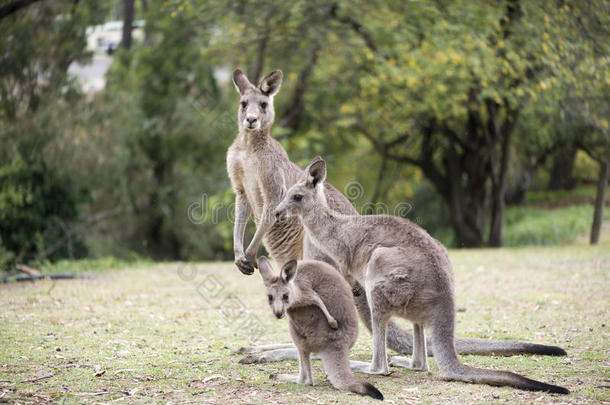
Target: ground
{"x": 161, "y": 333}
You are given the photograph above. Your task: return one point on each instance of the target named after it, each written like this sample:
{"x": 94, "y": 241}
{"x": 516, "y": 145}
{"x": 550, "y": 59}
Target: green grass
{"x": 537, "y": 226}
{"x": 544, "y": 196}
{"x": 156, "y": 333}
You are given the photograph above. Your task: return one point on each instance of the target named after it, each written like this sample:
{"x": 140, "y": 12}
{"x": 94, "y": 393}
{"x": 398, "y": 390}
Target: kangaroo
{"x": 404, "y": 271}
{"x": 323, "y": 320}
{"x": 259, "y": 170}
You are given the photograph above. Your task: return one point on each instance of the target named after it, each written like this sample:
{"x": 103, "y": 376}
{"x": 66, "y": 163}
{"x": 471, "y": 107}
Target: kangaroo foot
{"x": 399, "y": 361}
{"x": 366, "y": 368}
{"x": 270, "y": 356}
{"x": 262, "y": 348}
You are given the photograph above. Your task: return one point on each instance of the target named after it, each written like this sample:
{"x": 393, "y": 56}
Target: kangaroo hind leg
{"x": 305, "y": 376}
{"x": 419, "y": 362}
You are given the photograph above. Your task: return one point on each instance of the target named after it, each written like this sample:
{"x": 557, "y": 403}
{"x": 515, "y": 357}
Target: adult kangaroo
{"x": 405, "y": 272}
{"x": 260, "y": 171}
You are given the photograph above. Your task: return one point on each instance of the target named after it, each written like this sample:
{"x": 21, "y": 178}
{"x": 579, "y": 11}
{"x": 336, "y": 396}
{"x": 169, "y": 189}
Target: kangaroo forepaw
{"x": 244, "y": 265}
{"x": 333, "y": 323}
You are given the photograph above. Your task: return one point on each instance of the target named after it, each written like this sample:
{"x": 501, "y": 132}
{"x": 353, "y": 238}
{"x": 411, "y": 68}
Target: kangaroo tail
{"x": 336, "y": 365}
{"x": 504, "y": 347}
{"x": 450, "y": 366}
{"x": 401, "y": 340}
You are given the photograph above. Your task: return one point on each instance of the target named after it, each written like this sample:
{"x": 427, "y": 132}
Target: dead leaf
{"x": 212, "y": 377}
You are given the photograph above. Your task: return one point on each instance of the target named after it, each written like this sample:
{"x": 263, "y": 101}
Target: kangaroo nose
{"x": 251, "y": 120}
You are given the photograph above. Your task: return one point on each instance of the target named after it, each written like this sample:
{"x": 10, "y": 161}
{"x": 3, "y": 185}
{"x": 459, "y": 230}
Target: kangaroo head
{"x": 256, "y": 111}
{"x": 306, "y": 194}
{"x": 280, "y": 291}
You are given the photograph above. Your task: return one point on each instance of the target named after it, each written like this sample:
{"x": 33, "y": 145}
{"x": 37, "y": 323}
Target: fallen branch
{"x": 92, "y": 394}
{"x": 40, "y": 376}
{"x": 28, "y": 270}
{"x": 9, "y": 279}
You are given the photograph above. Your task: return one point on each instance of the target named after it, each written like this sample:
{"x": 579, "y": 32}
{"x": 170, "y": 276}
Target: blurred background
{"x": 486, "y": 122}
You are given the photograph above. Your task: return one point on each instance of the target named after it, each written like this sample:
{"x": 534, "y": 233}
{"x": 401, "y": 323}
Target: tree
{"x": 440, "y": 86}
{"x": 39, "y": 203}
{"x": 460, "y": 78}
{"x": 128, "y": 13}
{"x": 174, "y": 147}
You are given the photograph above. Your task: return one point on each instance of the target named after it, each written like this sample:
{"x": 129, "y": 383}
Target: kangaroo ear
{"x": 270, "y": 85}
{"x": 289, "y": 271}
{"x": 241, "y": 82}
{"x": 316, "y": 171}
{"x": 264, "y": 267}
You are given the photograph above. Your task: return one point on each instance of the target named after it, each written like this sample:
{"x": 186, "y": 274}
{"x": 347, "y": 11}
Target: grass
{"x": 526, "y": 225}
{"x": 583, "y": 192}
{"x": 160, "y": 333}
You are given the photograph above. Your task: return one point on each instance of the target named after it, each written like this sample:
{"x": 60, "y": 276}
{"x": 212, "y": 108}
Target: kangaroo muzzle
{"x": 280, "y": 213}
{"x": 252, "y": 122}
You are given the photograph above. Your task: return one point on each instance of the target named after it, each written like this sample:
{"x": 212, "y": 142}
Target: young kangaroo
{"x": 323, "y": 320}
{"x": 404, "y": 272}
{"x": 259, "y": 169}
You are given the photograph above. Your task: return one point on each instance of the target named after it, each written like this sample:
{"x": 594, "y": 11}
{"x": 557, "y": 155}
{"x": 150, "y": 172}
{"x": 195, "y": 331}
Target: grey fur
{"x": 405, "y": 272}
{"x": 323, "y": 319}
{"x": 260, "y": 172}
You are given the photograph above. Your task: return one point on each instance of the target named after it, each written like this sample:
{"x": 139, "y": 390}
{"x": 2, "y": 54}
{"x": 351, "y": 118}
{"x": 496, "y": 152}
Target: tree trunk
{"x": 561, "y": 172}
{"x": 498, "y": 198}
{"x": 516, "y": 194}
{"x": 600, "y": 200}
{"x": 496, "y": 226}
{"x": 466, "y": 202}
{"x": 147, "y": 19}
{"x": 127, "y": 23}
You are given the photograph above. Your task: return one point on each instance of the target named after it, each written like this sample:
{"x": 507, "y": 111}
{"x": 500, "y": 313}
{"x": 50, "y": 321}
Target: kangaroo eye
{"x": 244, "y": 104}
{"x": 285, "y": 297}
{"x": 263, "y": 105}
{"x": 270, "y": 297}
{"x": 297, "y": 197}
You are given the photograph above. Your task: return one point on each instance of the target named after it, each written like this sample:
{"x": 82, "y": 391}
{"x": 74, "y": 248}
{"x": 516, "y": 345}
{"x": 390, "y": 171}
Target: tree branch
{"x": 15, "y": 6}
{"x": 293, "y": 113}
{"x": 357, "y": 28}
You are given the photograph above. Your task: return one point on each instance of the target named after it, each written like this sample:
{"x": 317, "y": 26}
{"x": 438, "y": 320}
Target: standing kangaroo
{"x": 323, "y": 320}
{"x": 259, "y": 169}
{"x": 404, "y": 271}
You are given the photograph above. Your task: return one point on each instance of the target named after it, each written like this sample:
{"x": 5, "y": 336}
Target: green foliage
{"x": 39, "y": 199}
{"x": 35, "y": 206}
{"x": 138, "y": 168}
{"x": 175, "y": 140}
{"x": 556, "y": 196}
{"x": 536, "y": 226}
{"x": 84, "y": 266}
